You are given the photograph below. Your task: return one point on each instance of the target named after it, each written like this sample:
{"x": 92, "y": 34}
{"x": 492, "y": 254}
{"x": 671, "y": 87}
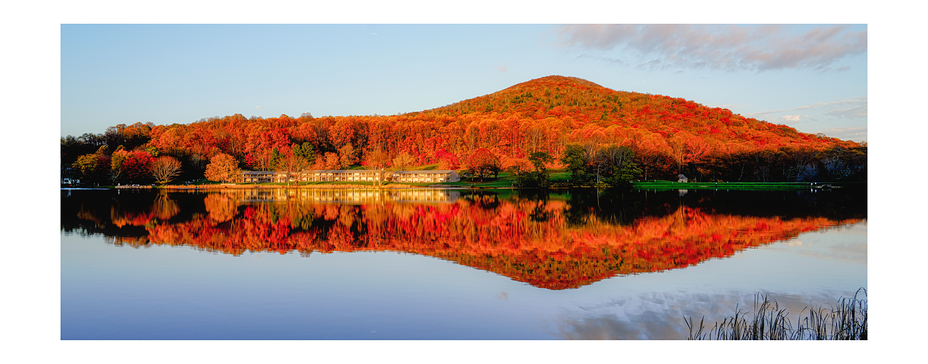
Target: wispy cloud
{"x": 853, "y": 108}
{"x": 850, "y": 112}
{"x": 259, "y": 107}
{"x": 605, "y": 59}
{"x": 853, "y": 133}
{"x": 720, "y": 47}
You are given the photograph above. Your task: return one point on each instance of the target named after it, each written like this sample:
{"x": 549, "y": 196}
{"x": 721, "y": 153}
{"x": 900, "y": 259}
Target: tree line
{"x": 597, "y": 134}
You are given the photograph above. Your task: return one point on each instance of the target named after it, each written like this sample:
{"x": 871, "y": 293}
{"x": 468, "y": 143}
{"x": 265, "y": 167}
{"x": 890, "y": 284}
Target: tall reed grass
{"x": 846, "y": 320}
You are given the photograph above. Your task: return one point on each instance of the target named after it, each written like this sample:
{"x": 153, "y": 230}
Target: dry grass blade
{"x": 847, "y": 320}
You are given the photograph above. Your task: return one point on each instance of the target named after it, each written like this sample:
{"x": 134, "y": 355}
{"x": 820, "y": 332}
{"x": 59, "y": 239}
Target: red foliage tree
{"x": 482, "y": 163}
{"x": 132, "y": 167}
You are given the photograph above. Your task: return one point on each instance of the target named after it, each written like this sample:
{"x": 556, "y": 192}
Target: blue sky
{"x": 811, "y": 77}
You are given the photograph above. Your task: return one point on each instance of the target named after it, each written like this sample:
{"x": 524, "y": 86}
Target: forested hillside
{"x": 574, "y": 121}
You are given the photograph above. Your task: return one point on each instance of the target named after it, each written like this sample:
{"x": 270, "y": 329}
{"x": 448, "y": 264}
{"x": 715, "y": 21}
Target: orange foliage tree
{"x": 222, "y": 168}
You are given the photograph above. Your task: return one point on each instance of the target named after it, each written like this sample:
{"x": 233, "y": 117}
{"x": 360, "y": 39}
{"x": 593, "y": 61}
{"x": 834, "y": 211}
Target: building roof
{"x": 439, "y": 171}
{"x": 340, "y": 170}
{"x": 259, "y": 172}
{"x": 315, "y": 171}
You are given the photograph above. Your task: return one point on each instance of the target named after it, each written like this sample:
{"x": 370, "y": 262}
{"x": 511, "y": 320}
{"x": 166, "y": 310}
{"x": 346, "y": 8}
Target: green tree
{"x": 617, "y": 165}
{"x": 539, "y": 177}
{"x": 305, "y": 151}
{"x": 275, "y": 158}
{"x": 539, "y": 160}
{"x": 94, "y": 167}
{"x": 576, "y": 161}
{"x": 622, "y": 175}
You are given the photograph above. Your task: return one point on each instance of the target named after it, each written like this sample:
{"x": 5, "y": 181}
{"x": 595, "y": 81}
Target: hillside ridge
{"x": 668, "y": 136}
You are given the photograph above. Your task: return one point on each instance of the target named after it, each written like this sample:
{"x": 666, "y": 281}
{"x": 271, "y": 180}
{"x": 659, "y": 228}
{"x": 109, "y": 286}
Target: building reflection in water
{"x": 349, "y": 196}
{"x": 548, "y": 241}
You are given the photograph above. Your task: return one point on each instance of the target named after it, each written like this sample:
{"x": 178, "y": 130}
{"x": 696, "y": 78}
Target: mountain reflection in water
{"x": 553, "y": 241}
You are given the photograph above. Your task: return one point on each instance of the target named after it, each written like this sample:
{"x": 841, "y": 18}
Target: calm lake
{"x": 447, "y": 264}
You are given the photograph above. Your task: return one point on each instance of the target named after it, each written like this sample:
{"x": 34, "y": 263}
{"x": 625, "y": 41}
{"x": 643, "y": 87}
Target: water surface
{"x": 446, "y": 264}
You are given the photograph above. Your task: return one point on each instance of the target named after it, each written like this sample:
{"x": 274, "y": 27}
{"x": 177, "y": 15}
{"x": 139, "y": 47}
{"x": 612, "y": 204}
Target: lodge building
{"x": 426, "y": 176}
{"x": 353, "y": 175}
{"x": 347, "y": 196}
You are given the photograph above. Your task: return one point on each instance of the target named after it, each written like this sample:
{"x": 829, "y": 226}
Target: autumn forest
{"x": 555, "y": 122}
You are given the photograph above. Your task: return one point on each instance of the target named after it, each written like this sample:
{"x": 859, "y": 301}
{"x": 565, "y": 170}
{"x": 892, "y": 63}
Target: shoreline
{"x": 649, "y": 185}
{"x": 319, "y": 186}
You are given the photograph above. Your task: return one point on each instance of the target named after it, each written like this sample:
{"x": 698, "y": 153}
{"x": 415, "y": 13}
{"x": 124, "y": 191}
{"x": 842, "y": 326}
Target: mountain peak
{"x": 557, "y": 81}
{"x": 540, "y": 94}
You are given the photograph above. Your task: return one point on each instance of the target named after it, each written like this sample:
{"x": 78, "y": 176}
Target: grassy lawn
{"x": 503, "y": 180}
{"x": 559, "y": 176}
{"x": 559, "y": 179}
{"x": 293, "y": 184}
{"x": 765, "y": 186}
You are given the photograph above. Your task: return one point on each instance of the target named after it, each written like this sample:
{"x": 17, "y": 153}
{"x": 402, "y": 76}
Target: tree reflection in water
{"x": 554, "y": 241}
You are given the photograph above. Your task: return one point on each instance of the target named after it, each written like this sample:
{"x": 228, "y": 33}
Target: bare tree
{"x": 402, "y": 161}
{"x": 377, "y": 160}
{"x": 165, "y": 169}
{"x": 292, "y": 163}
